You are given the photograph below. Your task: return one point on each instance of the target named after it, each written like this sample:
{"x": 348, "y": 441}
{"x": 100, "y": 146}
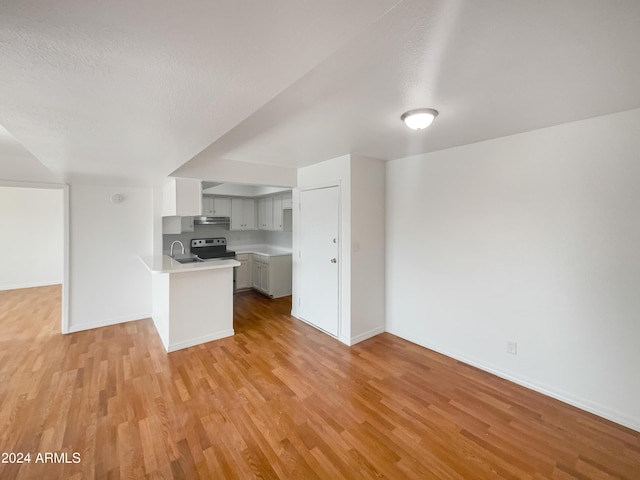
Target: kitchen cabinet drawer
{"x": 242, "y": 257}
{"x": 261, "y": 258}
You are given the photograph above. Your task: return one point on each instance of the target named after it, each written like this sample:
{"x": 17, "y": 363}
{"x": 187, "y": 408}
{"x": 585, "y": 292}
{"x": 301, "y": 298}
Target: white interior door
{"x": 318, "y": 267}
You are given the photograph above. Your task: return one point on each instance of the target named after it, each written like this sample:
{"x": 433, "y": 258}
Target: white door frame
{"x": 64, "y": 327}
{"x": 296, "y": 249}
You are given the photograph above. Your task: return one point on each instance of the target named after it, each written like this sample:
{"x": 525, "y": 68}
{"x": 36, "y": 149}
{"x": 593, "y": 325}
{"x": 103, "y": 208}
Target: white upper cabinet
{"x": 287, "y": 201}
{"x": 249, "y": 212}
{"x": 243, "y": 214}
{"x": 177, "y": 225}
{"x": 265, "y": 213}
{"x": 237, "y": 214}
{"x": 181, "y": 197}
{"x": 221, "y": 207}
{"x": 186, "y": 224}
{"x": 262, "y": 205}
{"x": 268, "y": 219}
{"x": 277, "y": 213}
{"x": 270, "y": 211}
{"x": 207, "y": 206}
{"x": 216, "y": 207}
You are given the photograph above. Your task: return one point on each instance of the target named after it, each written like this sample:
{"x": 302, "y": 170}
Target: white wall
{"x": 108, "y": 283}
{"x": 32, "y": 237}
{"x": 279, "y": 239}
{"x": 367, "y": 247}
{"x": 532, "y": 238}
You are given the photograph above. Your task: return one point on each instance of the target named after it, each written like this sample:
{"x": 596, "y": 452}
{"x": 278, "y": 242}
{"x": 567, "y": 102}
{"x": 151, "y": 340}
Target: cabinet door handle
{"x": 333, "y": 260}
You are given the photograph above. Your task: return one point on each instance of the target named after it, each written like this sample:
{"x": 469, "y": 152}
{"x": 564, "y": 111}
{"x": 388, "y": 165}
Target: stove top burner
{"x": 210, "y": 248}
{"x": 209, "y": 256}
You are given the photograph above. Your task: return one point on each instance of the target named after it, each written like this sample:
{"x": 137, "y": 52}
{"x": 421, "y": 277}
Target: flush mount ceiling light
{"x": 419, "y": 118}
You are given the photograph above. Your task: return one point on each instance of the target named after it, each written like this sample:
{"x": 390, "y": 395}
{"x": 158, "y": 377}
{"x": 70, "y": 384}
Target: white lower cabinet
{"x": 255, "y": 275}
{"x": 271, "y": 275}
{"x": 261, "y": 273}
{"x": 264, "y": 278}
{"x": 243, "y": 272}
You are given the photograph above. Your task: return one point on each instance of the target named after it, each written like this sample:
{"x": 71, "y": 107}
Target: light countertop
{"x": 166, "y": 264}
{"x": 268, "y": 250}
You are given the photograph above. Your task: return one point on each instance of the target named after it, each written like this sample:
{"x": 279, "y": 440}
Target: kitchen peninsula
{"x": 193, "y": 302}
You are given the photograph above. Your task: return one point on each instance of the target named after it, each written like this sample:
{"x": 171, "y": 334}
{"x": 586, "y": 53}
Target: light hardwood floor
{"x": 277, "y": 400}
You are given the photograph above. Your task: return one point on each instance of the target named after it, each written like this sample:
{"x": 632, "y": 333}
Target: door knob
{"x": 333, "y": 260}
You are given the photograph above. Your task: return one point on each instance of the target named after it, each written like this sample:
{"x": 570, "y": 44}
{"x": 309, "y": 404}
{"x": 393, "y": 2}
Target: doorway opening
{"x": 34, "y": 244}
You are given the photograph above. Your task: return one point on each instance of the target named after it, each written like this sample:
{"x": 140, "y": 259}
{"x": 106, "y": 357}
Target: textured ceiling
{"x": 124, "y": 91}
{"x": 491, "y": 68}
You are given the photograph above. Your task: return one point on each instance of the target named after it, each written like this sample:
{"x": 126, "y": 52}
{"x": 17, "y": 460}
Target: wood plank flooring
{"x": 277, "y": 400}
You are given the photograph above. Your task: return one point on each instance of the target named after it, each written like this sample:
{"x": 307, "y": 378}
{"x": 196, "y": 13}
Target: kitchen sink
{"x": 188, "y": 260}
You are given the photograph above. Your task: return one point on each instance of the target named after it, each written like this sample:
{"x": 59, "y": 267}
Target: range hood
{"x": 211, "y": 220}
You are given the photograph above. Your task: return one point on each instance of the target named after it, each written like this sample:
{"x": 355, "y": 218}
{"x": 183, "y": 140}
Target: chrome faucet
{"x": 172, "y": 245}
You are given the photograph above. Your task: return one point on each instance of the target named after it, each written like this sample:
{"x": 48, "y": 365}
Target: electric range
{"x": 211, "y": 248}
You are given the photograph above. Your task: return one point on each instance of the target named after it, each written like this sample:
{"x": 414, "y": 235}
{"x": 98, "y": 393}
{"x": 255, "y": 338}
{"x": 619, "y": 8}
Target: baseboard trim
{"x": 582, "y": 404}
{"x": 198, "y": 340}
{"x": 20, "y": 286}
{"x": 339, "y": 337}
{"x": 366, "y": 335}
{"x": 108, "y": 322}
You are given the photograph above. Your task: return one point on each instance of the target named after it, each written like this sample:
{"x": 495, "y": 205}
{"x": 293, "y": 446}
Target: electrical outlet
{"x": 512, "y": 348}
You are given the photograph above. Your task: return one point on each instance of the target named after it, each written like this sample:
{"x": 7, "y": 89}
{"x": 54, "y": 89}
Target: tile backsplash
{"x": 234, "y": 238}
